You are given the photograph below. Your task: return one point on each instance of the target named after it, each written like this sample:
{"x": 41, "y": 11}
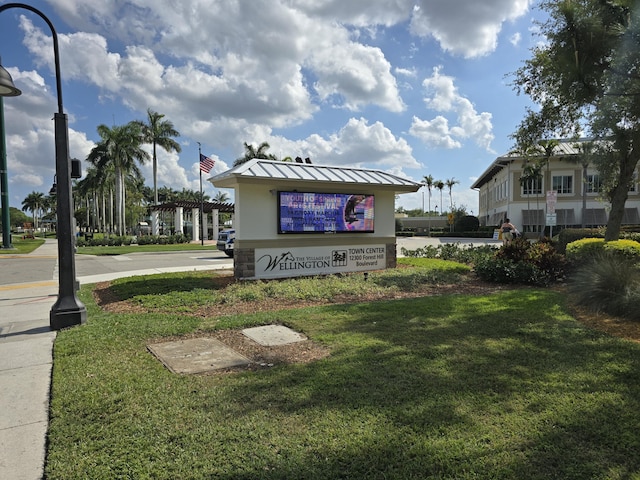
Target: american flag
{"x": 206, "y": 164}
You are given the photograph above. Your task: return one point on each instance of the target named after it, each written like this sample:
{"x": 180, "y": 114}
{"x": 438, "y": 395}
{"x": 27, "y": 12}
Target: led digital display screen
{"x": 304, "y": 212}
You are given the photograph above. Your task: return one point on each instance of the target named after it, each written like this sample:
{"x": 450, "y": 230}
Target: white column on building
{"x": 216, "y": 223}
{"x": 195, "y": 215}
{"x": 205, "y": 227}
{"x": 155, "y": 223}
{"x": 179, "y": 220}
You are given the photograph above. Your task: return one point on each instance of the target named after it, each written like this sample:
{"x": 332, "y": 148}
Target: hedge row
{"x": 117, "y": 241}
{"x": 587, "y": 248}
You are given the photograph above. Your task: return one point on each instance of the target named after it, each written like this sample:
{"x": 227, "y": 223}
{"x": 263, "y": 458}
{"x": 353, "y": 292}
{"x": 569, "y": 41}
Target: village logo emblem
{"x": 339, "y": 258}
{"x": 287, "y": 261}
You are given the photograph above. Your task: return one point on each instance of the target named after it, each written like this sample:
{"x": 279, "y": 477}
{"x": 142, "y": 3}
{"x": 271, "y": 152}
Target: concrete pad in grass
{"x": 273, "y": 335}
{"x": 197, "y": 355}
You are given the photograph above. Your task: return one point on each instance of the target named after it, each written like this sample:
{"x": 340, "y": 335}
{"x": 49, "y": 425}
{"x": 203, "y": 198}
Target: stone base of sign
{"x": 392, "y": 260}
{"x": 244, "y": 261}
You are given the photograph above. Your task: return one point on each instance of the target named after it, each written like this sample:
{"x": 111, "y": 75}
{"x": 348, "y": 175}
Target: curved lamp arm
{"x": 56, "y": 54}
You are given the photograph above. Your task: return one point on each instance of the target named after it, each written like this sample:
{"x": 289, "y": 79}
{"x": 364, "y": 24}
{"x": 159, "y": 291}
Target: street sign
{"x": 551, "y": 219}
{"x": 552, "y": 197}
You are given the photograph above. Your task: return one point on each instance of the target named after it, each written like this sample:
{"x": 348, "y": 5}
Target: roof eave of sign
{"x": 274, "y": 170}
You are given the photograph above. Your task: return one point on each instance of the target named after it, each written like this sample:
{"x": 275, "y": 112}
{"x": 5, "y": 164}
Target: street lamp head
{"x": 7, "y": 88}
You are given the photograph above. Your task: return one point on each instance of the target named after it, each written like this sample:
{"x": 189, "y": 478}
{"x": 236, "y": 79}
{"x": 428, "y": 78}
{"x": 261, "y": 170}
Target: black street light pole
{"x": 68, "y": 310}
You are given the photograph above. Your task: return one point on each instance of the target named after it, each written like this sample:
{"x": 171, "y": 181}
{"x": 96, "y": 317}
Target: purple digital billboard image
{"x": 308, "y": 212}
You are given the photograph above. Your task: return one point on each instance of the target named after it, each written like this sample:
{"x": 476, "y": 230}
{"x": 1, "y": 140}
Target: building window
{"x": 594, "y": 183}
{"x": 532, "y": 186}
{"x": 562, "y": 183}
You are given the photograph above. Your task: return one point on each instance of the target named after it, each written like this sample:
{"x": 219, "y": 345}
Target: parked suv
{"x": 225, "y": 241}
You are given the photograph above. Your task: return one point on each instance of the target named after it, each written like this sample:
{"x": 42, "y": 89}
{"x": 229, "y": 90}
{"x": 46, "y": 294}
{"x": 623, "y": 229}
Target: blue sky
{"x": 412, "y": 87}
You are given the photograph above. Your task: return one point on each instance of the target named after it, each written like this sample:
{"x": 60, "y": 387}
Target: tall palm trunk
{"x": 103, "y": 201}
{"x": 119, "y": 201}
{"x": 111, "y": 224}
{"x": 155, "y": 176}
{"x": 529, "y": 201}
{"x": 584, "y": 194}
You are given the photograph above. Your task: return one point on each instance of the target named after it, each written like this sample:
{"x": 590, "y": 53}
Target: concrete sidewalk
{"x": 26, "y": 345}
{"x": 26, "y": 360}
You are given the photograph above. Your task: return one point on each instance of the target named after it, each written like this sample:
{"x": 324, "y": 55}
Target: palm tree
{"x": 587, "y": 154}
{"x": 439, "y": 184}
{"x": 429, "y": 182}
{"x": 531, "y": 176}
{"x": 547, "y": 148}
{"x": 49, "y": 208}
{"x": 450, "y": 183}
{"x": 221, "y": 197}
{"x": 250, "y": 153}
{"x": 34, "y": 202}
{"x": 92, "y": 188}
{"x": 158, "y": 132}
{"x": 187, "y": 195}
{"x": 119, "y": 148}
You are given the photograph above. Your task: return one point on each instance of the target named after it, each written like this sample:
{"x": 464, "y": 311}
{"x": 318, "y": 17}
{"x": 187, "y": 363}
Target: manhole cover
{"x": 197, "y": 355}
{"x": 272, "y": 335}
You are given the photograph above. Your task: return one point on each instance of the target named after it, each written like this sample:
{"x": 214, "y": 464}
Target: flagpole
{"x": 201, "y": 196}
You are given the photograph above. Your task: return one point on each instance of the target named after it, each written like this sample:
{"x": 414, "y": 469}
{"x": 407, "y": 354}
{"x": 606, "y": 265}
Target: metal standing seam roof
{"x": 565, "y": 148}
{"x": 278, "y": 170}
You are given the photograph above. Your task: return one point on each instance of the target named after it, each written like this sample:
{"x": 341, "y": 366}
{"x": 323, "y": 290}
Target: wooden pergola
{"x": 192, "y": 209}
{"x": 207, "y": 207}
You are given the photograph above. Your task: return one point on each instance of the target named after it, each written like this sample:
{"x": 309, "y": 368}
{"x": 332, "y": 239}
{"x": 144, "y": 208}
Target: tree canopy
{"x": 118, "y": 150}
{"x": 158, "y": 133}
{"x": 250, "y": 152}
{"x": 586, "y": 79}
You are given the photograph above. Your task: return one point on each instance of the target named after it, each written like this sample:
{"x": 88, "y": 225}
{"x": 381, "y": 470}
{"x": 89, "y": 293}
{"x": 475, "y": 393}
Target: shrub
{"x": 629, "y": 249}
{"x": 463, "y": 254}
{"x": 586, "y": 248}
{"x": 523, "y": 262}
{"x": 608, "y": 283}
{"x": 467, "y": 223}
{"x": 515, "y": 251}
{"x": 544, "y": 256}
{"x": 630, "y": 236}
{"x": 579, "y": 250}
{"x": 569, "y": 235}
{"x": 147, "y": 240}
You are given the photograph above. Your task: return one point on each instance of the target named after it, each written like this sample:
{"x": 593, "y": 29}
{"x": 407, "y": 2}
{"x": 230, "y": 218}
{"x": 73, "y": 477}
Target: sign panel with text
{"x": 303, "y": 261}
{"x": 552, "y": 198}
{"x": 551, "y": 219}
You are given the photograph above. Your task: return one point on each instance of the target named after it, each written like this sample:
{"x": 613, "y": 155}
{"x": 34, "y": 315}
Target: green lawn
{"x": 21, "y": 246}
{"x": 503, "y": 386}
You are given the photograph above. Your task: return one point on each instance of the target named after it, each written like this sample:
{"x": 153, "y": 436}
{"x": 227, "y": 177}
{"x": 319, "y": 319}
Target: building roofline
{"x": 566, "y": 148}
{"x": 276, "y": 170}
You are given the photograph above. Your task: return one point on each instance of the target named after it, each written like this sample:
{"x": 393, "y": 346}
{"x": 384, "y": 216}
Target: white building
{"x": 577, "y": 199}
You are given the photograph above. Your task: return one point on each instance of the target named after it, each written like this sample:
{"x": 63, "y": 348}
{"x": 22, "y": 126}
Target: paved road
{"x": 413, "y": 243}
{"x": 43, "y": 267}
